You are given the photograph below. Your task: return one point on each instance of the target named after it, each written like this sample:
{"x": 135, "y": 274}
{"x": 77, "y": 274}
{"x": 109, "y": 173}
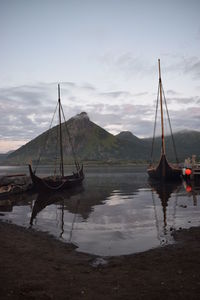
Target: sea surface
{"x": 117, "y": 210}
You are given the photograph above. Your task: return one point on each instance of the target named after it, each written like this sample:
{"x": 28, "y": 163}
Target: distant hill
{"x": 128, "y": 136}
{"x": 187, "y": 143}
{"x": 3, "y": 156}
{"x": 93, "y": 143}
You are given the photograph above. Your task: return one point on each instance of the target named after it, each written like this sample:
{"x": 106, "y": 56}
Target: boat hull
{"x": 164, "y": 171}
{"x": 56, "y": 184}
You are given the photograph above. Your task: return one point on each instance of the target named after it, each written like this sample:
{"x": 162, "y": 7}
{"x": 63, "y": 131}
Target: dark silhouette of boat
{"x": 61, "y": 182}
{"x": 163, "y": 171}
{"x": 56, "y": 183}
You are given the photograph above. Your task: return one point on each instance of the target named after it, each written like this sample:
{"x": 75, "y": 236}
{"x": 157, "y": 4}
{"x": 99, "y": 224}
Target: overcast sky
{"x": 104, "y": 53}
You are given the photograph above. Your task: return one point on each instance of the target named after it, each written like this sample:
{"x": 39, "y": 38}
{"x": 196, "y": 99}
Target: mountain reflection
{"x": 164, "y": 190}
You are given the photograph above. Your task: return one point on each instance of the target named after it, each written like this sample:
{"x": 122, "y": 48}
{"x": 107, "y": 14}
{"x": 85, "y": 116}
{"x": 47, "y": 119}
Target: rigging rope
{"x": 47, "y": 136}
{"x": 71, "y": 143}
{"x": 154, "y": 130}
{"x": 46, "y": 140}
{"x": 55, "y": 167}
{"x": 173, "y": 141}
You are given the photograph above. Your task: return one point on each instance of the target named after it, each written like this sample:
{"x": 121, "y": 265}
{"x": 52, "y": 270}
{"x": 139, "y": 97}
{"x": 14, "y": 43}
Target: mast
{"x": 161, "y": 109}
{"x": 60, "y": 130}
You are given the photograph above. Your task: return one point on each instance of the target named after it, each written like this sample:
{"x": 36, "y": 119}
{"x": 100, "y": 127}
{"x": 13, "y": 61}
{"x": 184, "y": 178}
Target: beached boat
{"x": 14, "y": 184}
{"x": 163, "y": 171}
{"x": 59, "y": 182}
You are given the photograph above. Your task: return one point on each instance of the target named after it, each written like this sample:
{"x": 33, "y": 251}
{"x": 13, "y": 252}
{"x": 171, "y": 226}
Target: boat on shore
{"x": 163, "y": 171}
{"x": 14, "y": 184}
{"x": 59, "y": 182}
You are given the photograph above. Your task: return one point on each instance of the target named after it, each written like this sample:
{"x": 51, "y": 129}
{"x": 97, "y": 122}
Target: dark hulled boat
{"x": 56, "y": 183}
{"x": 59, "y": 182}
{"x": 163, "y": 171}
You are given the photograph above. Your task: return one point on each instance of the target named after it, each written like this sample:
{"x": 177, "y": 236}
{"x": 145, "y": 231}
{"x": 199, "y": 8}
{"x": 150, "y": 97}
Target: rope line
{"x": 173, "y": 141}
{"x": 70, "y": 141}
{"x": 47, "y": 136}
{"x": 154, "y": 130}
{"x": 55, "y": 167}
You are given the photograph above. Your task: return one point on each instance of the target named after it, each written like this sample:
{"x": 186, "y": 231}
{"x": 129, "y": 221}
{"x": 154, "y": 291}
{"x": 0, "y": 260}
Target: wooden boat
{"x": 164, "y": 171}
{"x": 14, "y": 184}
{"x": 61, "y": 182}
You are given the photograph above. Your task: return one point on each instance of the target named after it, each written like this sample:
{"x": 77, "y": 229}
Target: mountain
{"x": 3, "y": 156}
{"x": 187, "y": 143}
{"x": 128, "y": 136}
{"x": 91, "y": 142}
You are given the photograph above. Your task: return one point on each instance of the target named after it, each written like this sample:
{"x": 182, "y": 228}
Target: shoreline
{"x": 85, "y": 163}
{"x": 34, "y": 265}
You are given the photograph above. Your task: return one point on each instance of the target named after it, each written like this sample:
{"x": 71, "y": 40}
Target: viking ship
{"x": 59, "y": 182}
{"x": 163, "y": 171}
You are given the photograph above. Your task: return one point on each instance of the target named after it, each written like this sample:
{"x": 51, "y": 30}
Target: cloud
{"x": 127, "y": 63}
{"x": 188, "y": 65}
{"x": 184, "y": 100}
{"x": 192, "y": 66}
{"x": 127, "y": 116}
{"x": 141, "y": 94}
{"x": 26, "y": 111}
{"x": 116, "y": 94}
{"x": 171, "y": 92}
{"x": 186, "y": 119}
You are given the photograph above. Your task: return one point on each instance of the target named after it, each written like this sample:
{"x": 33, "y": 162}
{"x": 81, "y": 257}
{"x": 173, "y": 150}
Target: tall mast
{"x": 60, "y": 129}
{"x": 161, "y": 109}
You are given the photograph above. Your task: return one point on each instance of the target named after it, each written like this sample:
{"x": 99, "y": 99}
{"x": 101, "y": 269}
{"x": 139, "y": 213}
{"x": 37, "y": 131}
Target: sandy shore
{"x": 34, "y": 265}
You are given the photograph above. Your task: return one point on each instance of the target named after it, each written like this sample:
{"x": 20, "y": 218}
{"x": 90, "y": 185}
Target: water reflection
{"x": 24, "y": 199}
{"x": 116, "y": 212}
{"x": 193, "y": 190}
{"x": 164, "y": 192}
{"x": 45, "y": 199}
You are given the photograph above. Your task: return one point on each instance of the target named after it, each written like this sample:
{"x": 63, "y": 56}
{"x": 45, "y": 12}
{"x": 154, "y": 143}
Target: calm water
{"x": 117, "y": 211}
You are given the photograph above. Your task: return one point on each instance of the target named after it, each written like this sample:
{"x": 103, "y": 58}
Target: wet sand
{"x": 34, "y": 265}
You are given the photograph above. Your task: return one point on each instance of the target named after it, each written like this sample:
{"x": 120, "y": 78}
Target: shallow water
{"x": 116, "y": 211}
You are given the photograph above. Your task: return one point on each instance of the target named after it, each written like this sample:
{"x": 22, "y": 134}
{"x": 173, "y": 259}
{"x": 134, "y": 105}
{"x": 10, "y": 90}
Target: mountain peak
{"x": 82, "y": 116}
{"x": 126, "y": 135}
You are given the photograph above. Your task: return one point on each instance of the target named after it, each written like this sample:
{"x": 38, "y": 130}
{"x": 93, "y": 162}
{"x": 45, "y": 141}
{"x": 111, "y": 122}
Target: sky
{"x": 104, "y": 54}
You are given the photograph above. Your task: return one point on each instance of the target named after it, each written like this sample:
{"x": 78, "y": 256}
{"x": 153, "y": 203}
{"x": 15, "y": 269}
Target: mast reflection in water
{"x": 117, "y": 212}
{"x": 164, "y": 192}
